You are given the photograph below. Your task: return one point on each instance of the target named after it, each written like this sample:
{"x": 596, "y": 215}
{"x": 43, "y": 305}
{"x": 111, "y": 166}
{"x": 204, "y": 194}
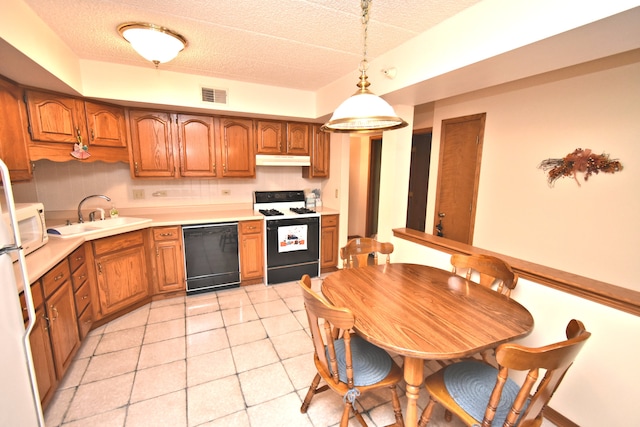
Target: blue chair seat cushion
{"x": 470, "y": 384}
{"x": 371, "y": 364}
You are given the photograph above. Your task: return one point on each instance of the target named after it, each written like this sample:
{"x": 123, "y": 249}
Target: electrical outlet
{"x": 226, "y": 192}
{"x": 138, "y": 194}
{"x": 161, "y": 193}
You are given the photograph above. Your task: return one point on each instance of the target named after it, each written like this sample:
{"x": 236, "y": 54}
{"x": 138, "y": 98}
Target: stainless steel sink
{"x": 98, "y": 229}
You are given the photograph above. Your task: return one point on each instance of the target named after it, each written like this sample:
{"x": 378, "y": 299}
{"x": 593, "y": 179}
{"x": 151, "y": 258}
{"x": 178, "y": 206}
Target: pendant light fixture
{"x": 364, "y": 111}
{"x": 154, "y": 43}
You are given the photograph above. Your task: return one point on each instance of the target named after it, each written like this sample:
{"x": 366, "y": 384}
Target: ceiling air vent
{"x": 219, "y": 96}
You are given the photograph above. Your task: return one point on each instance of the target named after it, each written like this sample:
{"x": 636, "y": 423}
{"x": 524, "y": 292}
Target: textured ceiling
{"x": 289, "y": 43}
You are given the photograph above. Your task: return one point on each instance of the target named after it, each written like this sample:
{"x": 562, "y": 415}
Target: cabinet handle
{"x": 58, "y": 277}
{"x": 135, "y": 168}
{"x": 100, "y": 268}
{"x": 85, "y": 297}
{"x": 78, "y": 136}
{"x": 82, "y": 277}
{"x": 46, "y": 319}
{"x": 224, "y": 167}
{"x": 214, "y": 169}
{"x": 93, "y": 136}
{"x": 166, "y": 234}
{"x": 157, "y": 252}
{"x": 80, "y": 258}
{"x": 54, "y": 310}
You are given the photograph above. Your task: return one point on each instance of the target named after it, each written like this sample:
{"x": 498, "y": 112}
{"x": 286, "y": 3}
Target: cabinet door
{"x": 106, "y": 125}
{"x": 320, "y": 143}
{"x": 151, "y": 144}
{"x": 196, "y": 146}
{"x": 13, "y": 132}
{"x": 269, "y": 137}
{"x": 121, "y": 279}
{"x": 43, "y": 356}
{"x": 237, "y": 149}
{"x": 65, "y": 339}
{"x": 298, "y": 139}
{"x": 329, "y": 239}
{"x": 169, "y": 264}
{"x": 55, "y": 118}
{"x": 251, "y": 250}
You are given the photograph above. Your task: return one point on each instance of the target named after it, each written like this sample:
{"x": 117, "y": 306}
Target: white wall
{"x": 600, "y": 388}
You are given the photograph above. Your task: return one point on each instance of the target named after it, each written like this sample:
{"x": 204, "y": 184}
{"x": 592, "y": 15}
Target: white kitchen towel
{"x": 292, "y": 238}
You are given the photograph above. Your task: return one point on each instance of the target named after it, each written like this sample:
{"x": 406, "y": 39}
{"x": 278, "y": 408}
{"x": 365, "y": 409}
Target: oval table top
{"x": 425, "y": 312}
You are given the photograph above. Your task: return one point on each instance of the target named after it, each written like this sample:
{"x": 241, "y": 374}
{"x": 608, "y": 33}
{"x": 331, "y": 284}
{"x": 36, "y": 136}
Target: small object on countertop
{"x": 113, "y": 212}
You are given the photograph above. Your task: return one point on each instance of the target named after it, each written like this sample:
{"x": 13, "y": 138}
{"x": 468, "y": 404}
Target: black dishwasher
{"x": 211, "y": 256}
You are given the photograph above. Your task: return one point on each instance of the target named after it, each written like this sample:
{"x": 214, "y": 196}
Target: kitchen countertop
{"x": 46, "y": 257}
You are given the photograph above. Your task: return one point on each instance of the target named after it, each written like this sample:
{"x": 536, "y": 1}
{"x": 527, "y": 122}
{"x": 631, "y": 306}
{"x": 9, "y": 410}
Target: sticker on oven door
{"x": 292, "y": 238}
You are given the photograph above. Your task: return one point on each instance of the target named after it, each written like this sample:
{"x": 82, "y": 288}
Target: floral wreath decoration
{"x": 579, "y": 161}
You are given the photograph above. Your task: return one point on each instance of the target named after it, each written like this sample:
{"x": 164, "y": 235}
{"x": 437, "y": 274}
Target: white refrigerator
{"x": 19, "y": 398}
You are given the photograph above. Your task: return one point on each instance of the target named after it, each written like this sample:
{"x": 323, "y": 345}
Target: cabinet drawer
{"x": 82, "y": 297}
{"x": 55, "y": 277}
{"x": 249, "y": 227}
{"x": 117, "y": 242}
{"x": 77, "y": 258}
{"x": 36, "y": 292}
{"x": 329, "y": 220}
{"x": 85, "y": 320}
{"x": 166, "y": 233}
{"x": 79, "y": 277}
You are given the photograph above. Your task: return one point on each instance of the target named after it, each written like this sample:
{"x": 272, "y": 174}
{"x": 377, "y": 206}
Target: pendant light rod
{"x": 364, "y": 112}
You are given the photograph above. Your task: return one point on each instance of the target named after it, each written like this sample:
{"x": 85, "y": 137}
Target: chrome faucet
{"x": 80, "y": 218}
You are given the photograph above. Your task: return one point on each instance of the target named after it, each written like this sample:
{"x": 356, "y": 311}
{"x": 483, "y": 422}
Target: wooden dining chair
{"x": 348, "y": 364}
{"x": 480, "y": 394}
{"x": 491, "y": 271}
{"x": 356, "y": 252}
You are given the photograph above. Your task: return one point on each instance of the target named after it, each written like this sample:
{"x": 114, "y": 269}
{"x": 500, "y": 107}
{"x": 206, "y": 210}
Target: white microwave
{"x": 31, "y": 226}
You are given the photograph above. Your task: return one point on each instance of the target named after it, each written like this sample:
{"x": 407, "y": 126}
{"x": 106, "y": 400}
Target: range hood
{"x": 282, "y": 160}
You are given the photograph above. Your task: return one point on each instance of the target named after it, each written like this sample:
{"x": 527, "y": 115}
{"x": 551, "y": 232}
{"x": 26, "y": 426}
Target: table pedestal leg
{"x": 413, "y": 376}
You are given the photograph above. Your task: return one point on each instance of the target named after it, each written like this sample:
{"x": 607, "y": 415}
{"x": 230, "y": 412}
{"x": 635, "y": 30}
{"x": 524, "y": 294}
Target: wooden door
{"x": 237, "y": 149}
{"x": 13, "y": 132}
{"x": 458, "y": 176}
{"x": 65, "y": 339}
{"x": 197, "y": 146}
{"x": 373, "y": 186}
{"x": 251, "y": 250}
{"x": 298, "y": 139}
{"x": 329, "y": 241}
{"x": 55, "y": 118}
{"x": 269, "y": 136}
{"x": 43, "y": 356}
{"x": 106, "y": 125}
{"x": 170, "y": 270}
{"x": 151, "y": 144}
{"x": 419, "y": 179}
{"x": 320, "y": 154}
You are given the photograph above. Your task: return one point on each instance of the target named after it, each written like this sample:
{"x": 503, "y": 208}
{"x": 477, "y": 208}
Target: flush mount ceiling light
{"x": 154, "y": 43}
{"x": 364, "y": 111}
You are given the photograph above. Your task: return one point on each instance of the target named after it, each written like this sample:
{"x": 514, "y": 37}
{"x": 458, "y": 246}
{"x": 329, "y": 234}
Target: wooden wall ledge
{"x": 594, "y": 290}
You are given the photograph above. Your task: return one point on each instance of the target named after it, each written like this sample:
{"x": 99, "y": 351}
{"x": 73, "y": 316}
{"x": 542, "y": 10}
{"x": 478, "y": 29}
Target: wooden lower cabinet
{"x": 121, "y": 274}
{"x": 40, "y": 342}
{"x": 251, "y": 250}
{"x": 168, "y": 259}
{"x": 329, "y": 241}
{"x": 65, "y": 339}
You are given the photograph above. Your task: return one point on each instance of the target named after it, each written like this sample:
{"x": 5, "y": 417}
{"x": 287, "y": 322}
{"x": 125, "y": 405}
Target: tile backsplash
{"x": 61, "y": 186}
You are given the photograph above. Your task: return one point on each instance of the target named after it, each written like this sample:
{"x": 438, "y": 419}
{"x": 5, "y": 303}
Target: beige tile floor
{"x": 239, "y": 357}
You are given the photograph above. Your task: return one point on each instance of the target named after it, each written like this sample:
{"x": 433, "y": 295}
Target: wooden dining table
{"x": 422, "y": 312}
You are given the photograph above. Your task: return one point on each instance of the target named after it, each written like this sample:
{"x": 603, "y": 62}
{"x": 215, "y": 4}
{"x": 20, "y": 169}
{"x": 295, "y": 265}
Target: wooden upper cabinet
{"x": 298, "y": 138}
{"x": 56, "y": 118}
{"x": 270, "y": 137}
{"x": 57, "y": 122}
{"x": 237, "y": 155}
{"x": 13, "y": 132}
{"x": 320, "y": 154}
{"x": 197, "y": 149}
{"x": 106, "y": 125}
{"x": 151, "y": 144}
